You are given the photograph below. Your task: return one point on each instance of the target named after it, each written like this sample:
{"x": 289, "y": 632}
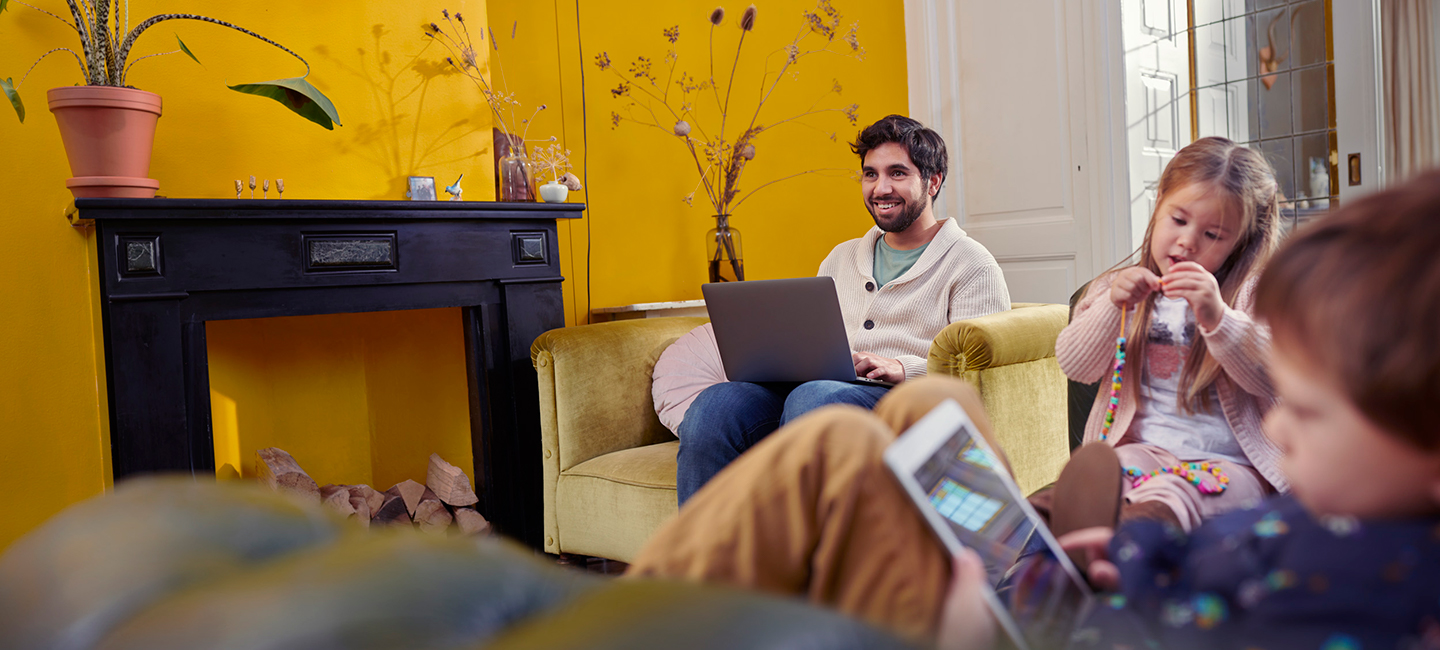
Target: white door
{"x": 1004, "y": 83}
{"x": 1157, "y": 97}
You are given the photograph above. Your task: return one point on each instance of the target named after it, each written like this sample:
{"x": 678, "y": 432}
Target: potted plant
{"x": 554, "y": 161}
{"x": 107, "y": 126}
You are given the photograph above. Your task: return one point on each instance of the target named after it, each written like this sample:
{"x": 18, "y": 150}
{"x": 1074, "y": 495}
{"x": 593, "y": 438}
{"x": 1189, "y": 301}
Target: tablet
{"x": 971, "y": 501}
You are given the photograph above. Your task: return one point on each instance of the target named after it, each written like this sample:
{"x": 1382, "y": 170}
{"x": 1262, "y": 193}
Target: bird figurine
{"x": 455, "y": 190}
{"x": 252, "y": 186}
{"x": 280, "y": 187}
{"x": 239, "y": 189}
{"x": 267, "y": 188}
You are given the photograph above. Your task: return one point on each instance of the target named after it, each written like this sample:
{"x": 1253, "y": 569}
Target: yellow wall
{"x": 291, "y": 382}
{"x": 645, "y": 244}
{"x": 341, "y": 391}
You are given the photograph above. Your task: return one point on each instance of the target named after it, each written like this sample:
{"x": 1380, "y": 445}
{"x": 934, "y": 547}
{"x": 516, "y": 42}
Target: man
{"x": 899, "y": 285}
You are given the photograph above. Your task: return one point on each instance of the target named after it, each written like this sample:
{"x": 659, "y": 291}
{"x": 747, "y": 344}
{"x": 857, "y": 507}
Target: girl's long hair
{"x": 1248, "y": 184}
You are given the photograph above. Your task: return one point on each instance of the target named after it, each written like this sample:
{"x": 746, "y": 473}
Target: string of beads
{"x": 1191, "y": 472}
{"x": 1115, "y": 381}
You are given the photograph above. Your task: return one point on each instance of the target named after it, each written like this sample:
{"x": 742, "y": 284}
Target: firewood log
{"x": 279, "y": 470}
{"x": 450, "y": 483}
{"x": 471, "y": 522}
{"x": 337, "y": 498}
{"x": 362, "y": 509}
{"x": 411, "y": 492}
{"x": 392, "y": 512}
{"x": 431, "y": 514}
{"x": 372, "y": 498}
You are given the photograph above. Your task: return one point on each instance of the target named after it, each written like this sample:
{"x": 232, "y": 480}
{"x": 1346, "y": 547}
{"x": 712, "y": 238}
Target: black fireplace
{"x": 170, "y": 265}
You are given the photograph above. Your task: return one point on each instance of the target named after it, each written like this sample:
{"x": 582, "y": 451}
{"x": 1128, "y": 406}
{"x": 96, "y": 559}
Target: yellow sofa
{"x": 609, "y": 465}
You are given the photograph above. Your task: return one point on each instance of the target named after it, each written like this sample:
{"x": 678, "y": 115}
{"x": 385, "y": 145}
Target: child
{"x": 1350, "y": 559}
{"x": 1194, "y": 387}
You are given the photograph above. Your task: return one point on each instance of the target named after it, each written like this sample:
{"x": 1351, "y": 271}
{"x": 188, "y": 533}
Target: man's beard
{"x": 908, "y": 214}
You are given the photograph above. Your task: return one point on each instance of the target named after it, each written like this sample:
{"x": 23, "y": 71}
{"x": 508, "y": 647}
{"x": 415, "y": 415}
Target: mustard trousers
{"x": 813, "y": 511}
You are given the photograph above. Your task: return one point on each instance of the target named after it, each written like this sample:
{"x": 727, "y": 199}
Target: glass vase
{"x": 727, "y": 260}
{"x": 513, "y": 179}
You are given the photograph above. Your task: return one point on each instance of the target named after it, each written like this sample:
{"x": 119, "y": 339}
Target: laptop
{"x": 971, "y": 501}
{"x": 781, "y": 331}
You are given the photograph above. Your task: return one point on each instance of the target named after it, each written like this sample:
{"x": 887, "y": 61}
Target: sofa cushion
{"x": 611, "y": 504}
{"x": 690, "y": 365}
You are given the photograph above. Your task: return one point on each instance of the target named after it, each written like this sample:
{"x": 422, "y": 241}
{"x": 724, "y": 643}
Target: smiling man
{"x": 899, "y": 285}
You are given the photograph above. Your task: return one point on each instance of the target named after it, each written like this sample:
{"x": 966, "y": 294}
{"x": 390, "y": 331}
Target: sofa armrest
{"x": 1010, "y": 357}
{"x": 1027, "y": 332}
{"x": 594, "y": 385}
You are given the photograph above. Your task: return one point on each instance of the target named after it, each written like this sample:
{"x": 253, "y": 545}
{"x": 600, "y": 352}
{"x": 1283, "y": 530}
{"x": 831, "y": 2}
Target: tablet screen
{"x": 982, "y": 507}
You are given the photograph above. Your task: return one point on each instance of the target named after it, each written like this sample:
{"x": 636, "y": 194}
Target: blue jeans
{"x": 728, "y": 418}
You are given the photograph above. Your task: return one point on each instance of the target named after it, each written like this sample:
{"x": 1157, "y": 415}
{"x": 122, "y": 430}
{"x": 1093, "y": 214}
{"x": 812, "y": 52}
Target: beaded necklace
{"x": 1191, "y": 472}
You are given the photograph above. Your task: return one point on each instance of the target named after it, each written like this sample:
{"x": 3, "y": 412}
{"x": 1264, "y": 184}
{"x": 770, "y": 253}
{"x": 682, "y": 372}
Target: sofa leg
{"x": 571, "y": 559}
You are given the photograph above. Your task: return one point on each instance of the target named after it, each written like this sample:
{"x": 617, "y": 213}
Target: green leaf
{"x": 184, "y": 49}
{"x": 8, "y": 85}
{"x": 297, "y": 95}
{"x": 4, "y": 4}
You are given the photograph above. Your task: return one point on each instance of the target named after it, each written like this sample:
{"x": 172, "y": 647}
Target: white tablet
{"x": 971, "y": 501}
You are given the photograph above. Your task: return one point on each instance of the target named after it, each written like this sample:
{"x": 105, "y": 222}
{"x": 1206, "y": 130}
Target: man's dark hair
{"x": 926, "y": 147}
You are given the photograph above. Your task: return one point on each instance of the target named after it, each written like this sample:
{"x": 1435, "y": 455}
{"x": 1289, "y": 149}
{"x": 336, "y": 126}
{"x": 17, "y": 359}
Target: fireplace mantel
{"x": 169, "y": 265}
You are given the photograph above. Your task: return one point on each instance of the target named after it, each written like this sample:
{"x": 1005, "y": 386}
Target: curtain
{"x": 1411, "y": 64}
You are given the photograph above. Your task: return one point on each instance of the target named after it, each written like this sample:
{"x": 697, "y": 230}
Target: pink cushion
{"x": 691, "y": 364}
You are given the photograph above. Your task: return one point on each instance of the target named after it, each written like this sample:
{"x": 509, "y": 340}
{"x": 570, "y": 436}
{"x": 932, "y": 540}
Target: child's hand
{"x": 1095, "y": 543}
{"x": 966, "y": 622}
{"x": 1132, "y": 285}
{"x": 1192, "y": 282}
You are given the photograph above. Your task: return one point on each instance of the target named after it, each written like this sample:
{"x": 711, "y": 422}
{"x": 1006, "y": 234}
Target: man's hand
{"x": 965, "y": 621}
{"x": 1094, "y": 545}
{"x": 1132, "y": 285}
{"x": 874, "y": 366}
{"x": 1192, "y": 282}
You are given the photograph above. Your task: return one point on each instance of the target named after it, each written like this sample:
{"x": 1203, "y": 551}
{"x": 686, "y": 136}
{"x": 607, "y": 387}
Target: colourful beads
{"x": 1191, "y": 472}
{"x": 1115, "y": 381}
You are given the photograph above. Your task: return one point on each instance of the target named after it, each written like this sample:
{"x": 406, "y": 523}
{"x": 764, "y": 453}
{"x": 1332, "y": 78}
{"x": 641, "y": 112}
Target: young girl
{"x": 1185, "y": 421}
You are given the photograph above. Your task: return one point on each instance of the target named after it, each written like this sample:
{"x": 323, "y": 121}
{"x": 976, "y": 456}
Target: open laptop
{"x": 781, "y": 331}
{"x": 971, "y": 501}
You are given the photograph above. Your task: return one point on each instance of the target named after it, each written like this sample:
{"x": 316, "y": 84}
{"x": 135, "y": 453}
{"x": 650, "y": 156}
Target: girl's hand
{"x": 1133, "y": 285}
{"x": 965, "y": 621}
{"x": 1192, "y": 282}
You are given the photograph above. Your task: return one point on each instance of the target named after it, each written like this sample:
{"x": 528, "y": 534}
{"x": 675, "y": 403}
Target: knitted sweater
{"x": 955, "y": 278}
{"x": 1086, "y": 352}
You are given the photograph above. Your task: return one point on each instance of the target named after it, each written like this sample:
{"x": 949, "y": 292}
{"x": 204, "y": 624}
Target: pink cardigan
{"x": 1086, "y": 352}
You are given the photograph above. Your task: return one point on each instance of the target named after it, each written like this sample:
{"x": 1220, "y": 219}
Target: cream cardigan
{"x": 955, "y": 278}
{"x": 1086, "y": 351}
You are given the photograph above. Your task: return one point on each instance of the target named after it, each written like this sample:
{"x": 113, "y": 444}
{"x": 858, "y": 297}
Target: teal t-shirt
{"x": 891, "y": 263}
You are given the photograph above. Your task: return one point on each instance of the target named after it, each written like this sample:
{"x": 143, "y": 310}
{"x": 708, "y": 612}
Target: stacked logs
{"x": 444, "y": 501}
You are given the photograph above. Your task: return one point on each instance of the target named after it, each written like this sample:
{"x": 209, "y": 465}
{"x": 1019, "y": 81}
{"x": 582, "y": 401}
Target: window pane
{"x": 1213, "y": 104}
{"x": 1280, "y": 154}
{"x": 1312, "y": 170}
{"x": 1210, "y": 54}
{"x": 1239, "y": 102}
{"x": 1275, "y": 105}
{"x": 1307, "y": 21}
{"x": 1270, "y": 40}
{"x": 1239, "y": 62}
{"x": 1311, "y": 97}
{"x": 1208, "y": 11}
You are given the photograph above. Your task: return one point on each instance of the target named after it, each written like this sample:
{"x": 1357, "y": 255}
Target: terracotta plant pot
{"x": 108, "y": 134}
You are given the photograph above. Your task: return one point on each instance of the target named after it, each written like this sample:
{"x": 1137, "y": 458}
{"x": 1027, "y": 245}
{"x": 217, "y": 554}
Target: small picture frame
{"x": 422, "y": 188}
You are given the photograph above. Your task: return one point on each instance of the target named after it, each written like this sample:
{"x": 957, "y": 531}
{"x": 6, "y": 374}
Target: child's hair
{"x": 1248, "y": 183}
{"x": 1358, "y": 292}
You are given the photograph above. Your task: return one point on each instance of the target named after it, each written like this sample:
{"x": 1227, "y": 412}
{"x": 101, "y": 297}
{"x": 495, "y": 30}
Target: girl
{"x": 1185, "y": 421}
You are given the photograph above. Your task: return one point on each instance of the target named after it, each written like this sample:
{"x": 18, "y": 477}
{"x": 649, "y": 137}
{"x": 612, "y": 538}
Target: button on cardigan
{"x": 955, "y": 279}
